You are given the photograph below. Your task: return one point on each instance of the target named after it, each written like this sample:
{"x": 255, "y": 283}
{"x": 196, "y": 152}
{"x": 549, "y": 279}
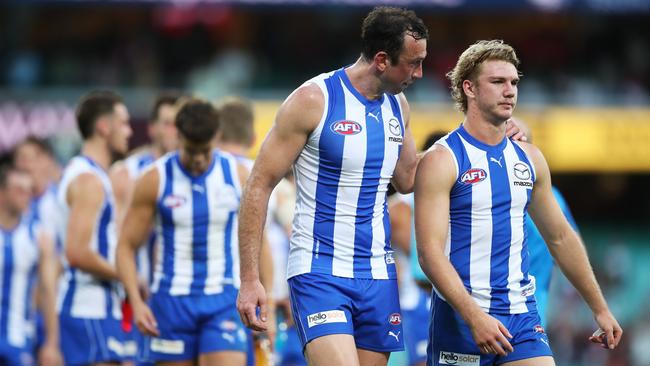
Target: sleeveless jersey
{"x": 18, "y": 272}
{"x": 196, "y": 226}
{"x": 486, "y": 242}
{"x": 82, "y": 295}
{"x": 341, "y": 224}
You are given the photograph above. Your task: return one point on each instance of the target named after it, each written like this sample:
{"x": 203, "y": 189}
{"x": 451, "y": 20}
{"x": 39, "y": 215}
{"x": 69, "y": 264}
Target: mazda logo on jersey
{"x": 174, "y": 201}
{"x": 521, "y": 171}
{"x": 346, "y": 127}
{"x": 473, "y": 175}
{"x": 394, "y": 128}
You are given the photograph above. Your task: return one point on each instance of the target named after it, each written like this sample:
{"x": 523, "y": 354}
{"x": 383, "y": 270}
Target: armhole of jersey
{"x": 160, "y": 168}
{"x": 453, "y": 156}
{"x": 320, "y": 82}
{"x": 234, "y": 172}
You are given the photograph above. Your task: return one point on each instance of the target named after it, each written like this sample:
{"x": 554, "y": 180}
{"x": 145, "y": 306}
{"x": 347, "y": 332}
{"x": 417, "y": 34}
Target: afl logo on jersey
{"x": 173, "y": 201}
{"x": 473, "y": 175}
{"x": 346, "y": 127}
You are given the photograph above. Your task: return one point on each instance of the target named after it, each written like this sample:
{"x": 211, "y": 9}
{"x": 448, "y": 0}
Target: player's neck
{"x": 233, "y": 148}
{"x": 97, "y": 150}
{"x": 483, "y": 130}
{"x": 8, "y": 219}
{"x": 364, "y": 80}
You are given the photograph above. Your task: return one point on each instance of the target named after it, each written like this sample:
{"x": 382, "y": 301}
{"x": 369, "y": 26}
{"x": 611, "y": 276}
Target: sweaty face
{"x": 409, "y": 66}
{"x": 163, "y": 131}
{"x": 496, "y": 90}
{"x": 120, "y": 130}
{"x": 195, "y": 157}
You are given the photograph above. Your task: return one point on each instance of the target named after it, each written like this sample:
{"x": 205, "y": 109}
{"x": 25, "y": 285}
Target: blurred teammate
{"x": 237, "y": 136}
{"x": 35, "y": 156}
{"x": 27, "y": 257}
{"x": 164, "y": 138}
{"x": 473, "y": 190}
{"x": 347, "y": 132}
{"x": 193, "y": 195}
{"x": 89, "y": 301}
{"x": 414, "y": 286}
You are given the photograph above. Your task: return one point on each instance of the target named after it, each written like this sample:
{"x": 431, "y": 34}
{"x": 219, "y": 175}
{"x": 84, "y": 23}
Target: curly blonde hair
{"x": 469, "y": 64}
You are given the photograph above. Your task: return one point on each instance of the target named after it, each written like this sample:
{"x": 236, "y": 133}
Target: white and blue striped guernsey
{"x": 18, "y": 264}
{"x": 196, "y": 226}
{"x": 341, "y": 224}
{"x": 136, "y": 164}
{"x": 82, "y": 295}
{"x": 486, "y": 242}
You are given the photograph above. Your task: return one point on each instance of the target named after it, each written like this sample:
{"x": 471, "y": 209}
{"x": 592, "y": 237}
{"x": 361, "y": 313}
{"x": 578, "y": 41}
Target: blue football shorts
{"x": 367, "y": 309}
{"x": 451, "y": 341}
{"x": 193, "y": 325}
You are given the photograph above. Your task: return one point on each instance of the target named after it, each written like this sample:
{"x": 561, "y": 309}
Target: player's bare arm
{"x": 296, "y": 119}
{"x": 404, "y": 175}
{"x": 400, "y": 224}
{"x": 135, "y": 230}
{"x": 435, "y": 177}
{"x": 122, "y": 184}
{"x": 85, "y": 198}
{"x": 48, "y": 274}
{"x": 568, "y": 250}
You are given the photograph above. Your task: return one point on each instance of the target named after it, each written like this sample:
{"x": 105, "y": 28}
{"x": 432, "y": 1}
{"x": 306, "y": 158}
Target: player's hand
{"x": 490, "y": 335}
{"x": 144, "y": 320}
{"x": 50, "y": 355}
{"x": 251, "y": 296}
{"x": 514, "y": 131}
{"x": 609, "y": 332}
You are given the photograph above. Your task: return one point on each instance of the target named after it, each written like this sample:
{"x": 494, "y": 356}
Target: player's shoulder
{"x": 437, "y": 159}
{"x": 532, "y": 151}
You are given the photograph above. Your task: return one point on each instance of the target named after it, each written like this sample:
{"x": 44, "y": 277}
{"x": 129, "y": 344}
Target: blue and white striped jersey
{"x": 136, "y": 164}
{"x": 82, "y": 295}
{"x": 486, "y": 242}
{"x": 196, "y": 225}
{"x": 18, "y": 265}
{"x": 45, "y": 208}
{"x": 341, "y": 225}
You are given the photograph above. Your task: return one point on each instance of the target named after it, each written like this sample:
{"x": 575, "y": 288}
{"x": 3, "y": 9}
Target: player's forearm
{"x": 571, "y": 256}
{"x": 48, "y": 307}
{"x": 91, "y": 262}
{"x": 266, "y": 268}
{"x": 251, "y": 226}
{"x": 125, "y": 260}
{"x": 444, "y": 277}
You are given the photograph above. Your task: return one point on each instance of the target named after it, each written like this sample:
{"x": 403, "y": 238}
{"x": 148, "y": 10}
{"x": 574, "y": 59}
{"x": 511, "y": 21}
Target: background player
{"x": 27, "y": 256}
{"x": 194, "y": 196}
{"x": 89, "y": 299}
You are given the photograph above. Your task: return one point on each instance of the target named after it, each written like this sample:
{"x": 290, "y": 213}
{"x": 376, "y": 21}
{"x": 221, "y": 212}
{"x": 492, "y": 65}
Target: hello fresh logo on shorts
{"x": 324, "y": 317}
{"x": 459, "y": 359}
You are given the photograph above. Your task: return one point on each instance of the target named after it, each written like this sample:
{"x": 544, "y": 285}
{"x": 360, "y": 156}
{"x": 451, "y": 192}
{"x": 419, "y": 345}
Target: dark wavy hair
{"x": 384, "y": 29}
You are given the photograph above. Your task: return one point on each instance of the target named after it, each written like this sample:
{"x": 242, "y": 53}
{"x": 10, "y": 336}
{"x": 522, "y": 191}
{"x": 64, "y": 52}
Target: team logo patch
{"x": 388, "y": 258}
{"x": 174, "y": 201}
{"x": 473, "y": 175}
{"x": 346, "y": 127}
{"x": 539, "y": 329}
{"x": 459, "y": 359}
{"x": 324, "y": 317}
{"x": 394, "y": 127}
{"x": 395, "y": 319}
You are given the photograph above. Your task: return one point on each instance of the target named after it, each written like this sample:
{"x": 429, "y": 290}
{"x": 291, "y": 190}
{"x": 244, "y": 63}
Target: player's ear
{"x": 468, "y": 88}
{"x": 381, "y": 60}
